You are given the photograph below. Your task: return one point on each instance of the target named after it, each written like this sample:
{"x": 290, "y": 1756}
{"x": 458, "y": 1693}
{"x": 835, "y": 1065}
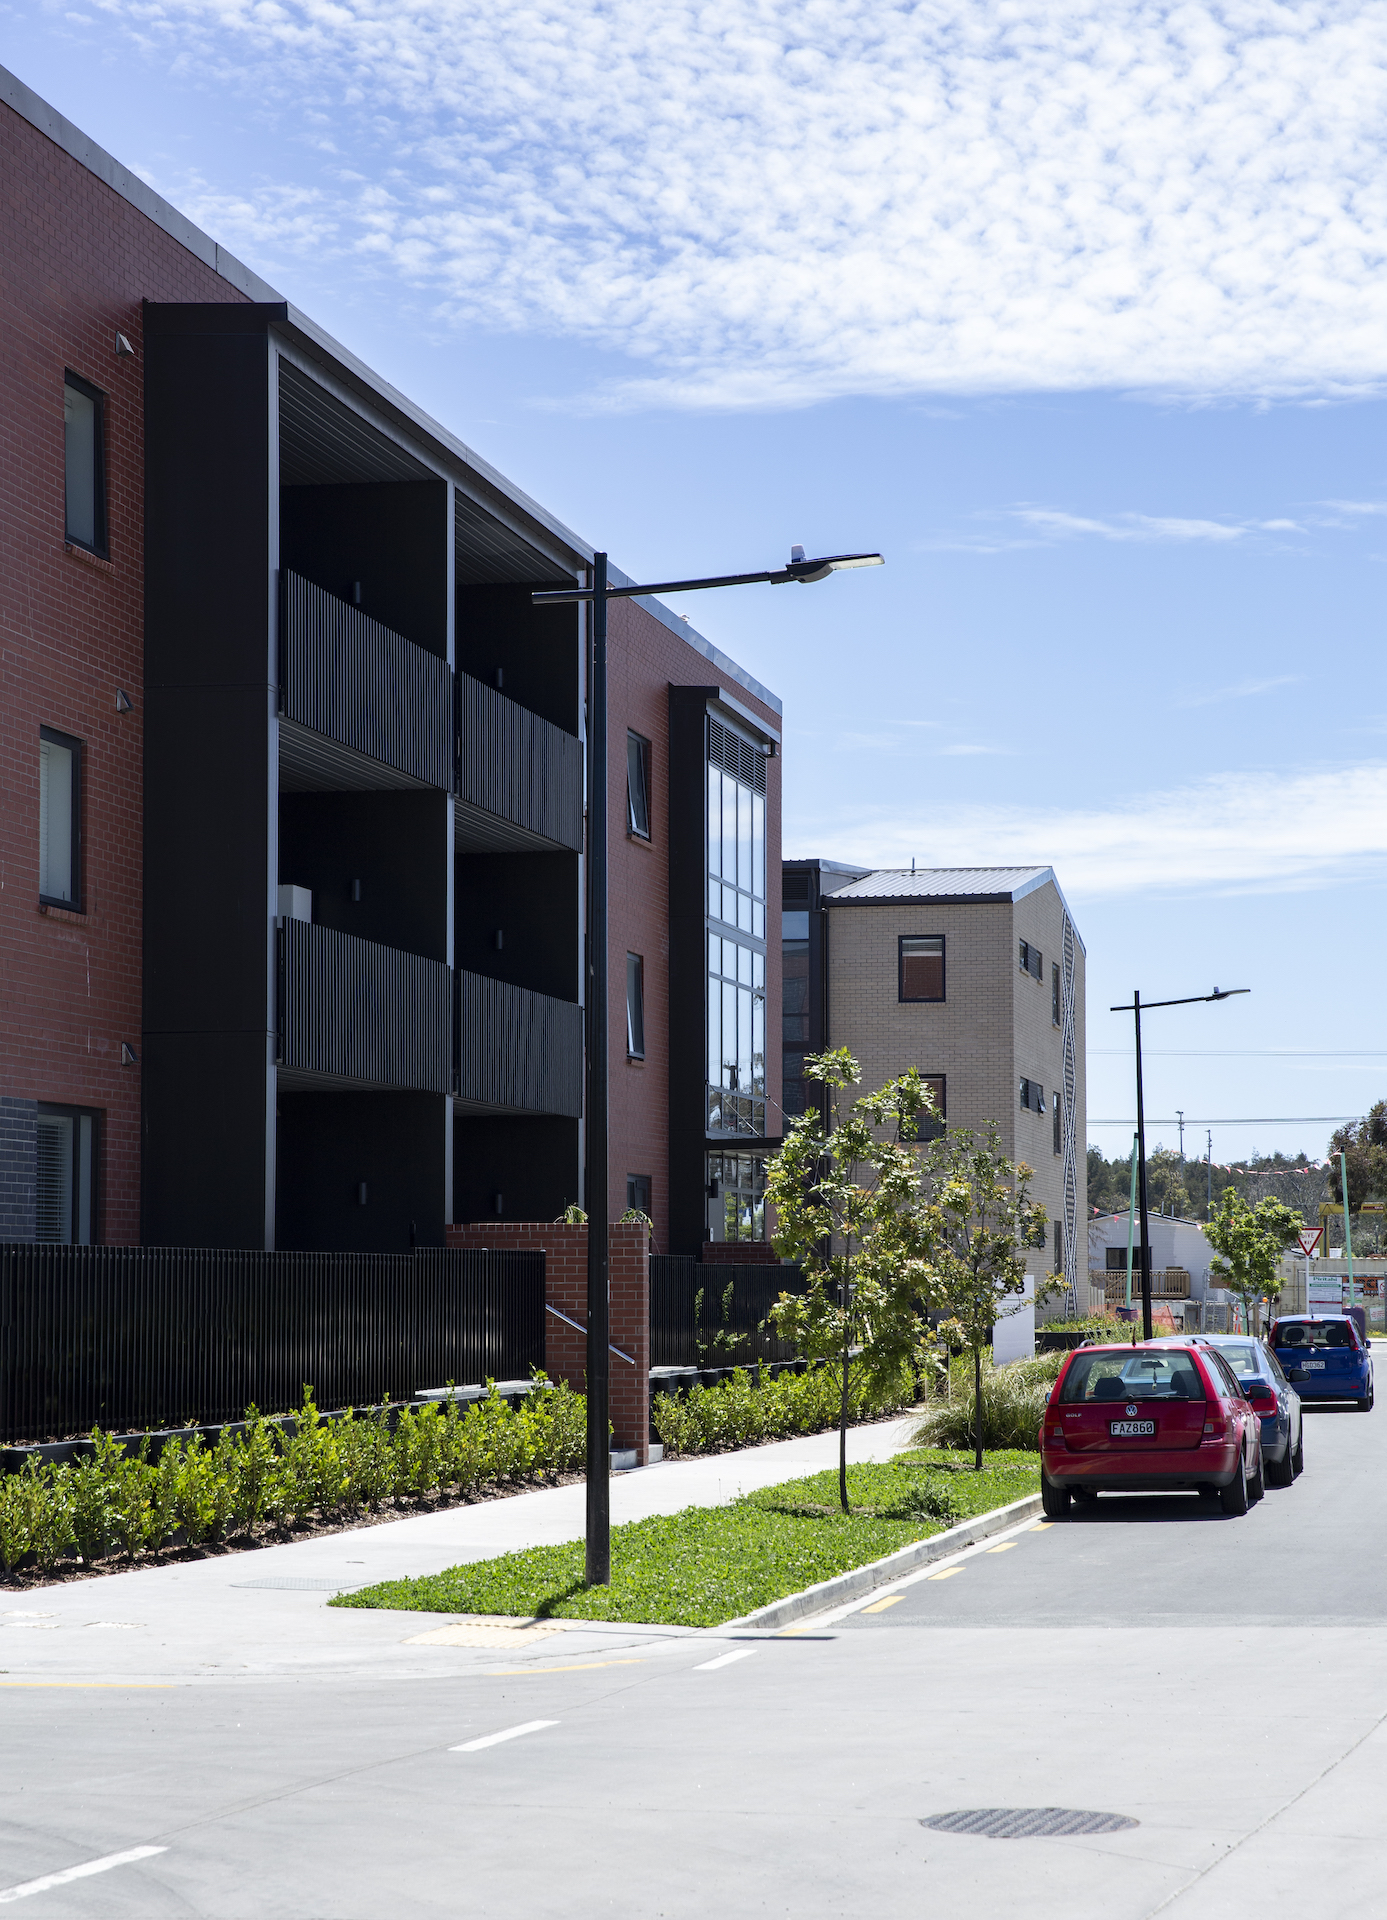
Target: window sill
{"x": 97, "y": 560}
{"x": 640, "y": 840}
{"x": 635, "y": 1059}
{"x": 76, "y": 916}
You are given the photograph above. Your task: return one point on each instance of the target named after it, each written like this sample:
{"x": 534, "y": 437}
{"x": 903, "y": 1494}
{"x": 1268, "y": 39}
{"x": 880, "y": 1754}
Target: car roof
{"x": 1311, "y": 1318}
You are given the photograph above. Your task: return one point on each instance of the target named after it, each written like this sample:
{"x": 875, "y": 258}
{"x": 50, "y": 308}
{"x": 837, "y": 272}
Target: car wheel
{"x": 1053, "y": 1499}
{"x": 1298, "y": 1457}
{"x": 1365, "y": 1405}
{"x": 1280, "y": 1473}
{"x": 1233, "y": 1498}
{"x": 1256, "y": 1488}
{"x": 1084, "y": 1493}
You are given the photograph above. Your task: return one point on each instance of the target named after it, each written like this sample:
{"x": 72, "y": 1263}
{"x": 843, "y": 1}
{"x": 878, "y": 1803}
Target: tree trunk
{"x": 843, "y": 1435}
{"x": 977, "y": 1409}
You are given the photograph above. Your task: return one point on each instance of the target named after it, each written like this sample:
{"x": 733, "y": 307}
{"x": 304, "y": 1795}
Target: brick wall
{"x": 644, "y": 660}
{"x": 77, "y": 261}
{"x": 18, "y": 1163}
{"x": 565, "y": 1251}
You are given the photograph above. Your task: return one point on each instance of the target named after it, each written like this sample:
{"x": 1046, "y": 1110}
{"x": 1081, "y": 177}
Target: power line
{"x": 1257, "y": 1120}
{"x": 1241, "y": 1053}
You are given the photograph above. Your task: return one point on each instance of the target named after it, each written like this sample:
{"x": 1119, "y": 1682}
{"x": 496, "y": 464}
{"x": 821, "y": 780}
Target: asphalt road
{"x": 1220, "y": 1683}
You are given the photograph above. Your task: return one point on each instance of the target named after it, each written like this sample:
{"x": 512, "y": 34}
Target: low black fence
{"x": 715, "y": 1316}
{"x": 135, "y": 1337}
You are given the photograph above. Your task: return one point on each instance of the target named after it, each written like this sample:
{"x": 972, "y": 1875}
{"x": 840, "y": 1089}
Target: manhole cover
{"x": 1027, "y": 1823}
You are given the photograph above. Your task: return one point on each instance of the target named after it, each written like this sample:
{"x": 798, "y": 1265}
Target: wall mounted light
{"x": 124, "y": 704}
{"x": 356, "y": 889}
{"x": 128, "y": 1056}
{"x": 500, "y": 678}
{"x": 356, "y": 593}
{"x": 499, "y": 1209}
{"x": 500, "y": 938}
{"x": 361, "y": 1193}
{"x": 124, "y": 350}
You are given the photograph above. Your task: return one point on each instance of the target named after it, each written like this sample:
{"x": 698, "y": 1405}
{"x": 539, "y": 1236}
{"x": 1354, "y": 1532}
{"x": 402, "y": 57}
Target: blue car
{"x": 1270, "y": 1394}
{"x": 1323, "y": 1357}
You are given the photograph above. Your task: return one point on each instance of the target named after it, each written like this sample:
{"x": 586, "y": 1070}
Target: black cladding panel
{"x": 395, "y": 845}
{"x": 391, "y": 537}
{"x": 331, "y": 1145}
{"x": 535, "y": 649}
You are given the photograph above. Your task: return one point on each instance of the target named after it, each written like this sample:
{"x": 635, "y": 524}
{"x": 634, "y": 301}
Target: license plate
{"x": 1313, "y": 1366}
{"x": 1131, "y": 1429}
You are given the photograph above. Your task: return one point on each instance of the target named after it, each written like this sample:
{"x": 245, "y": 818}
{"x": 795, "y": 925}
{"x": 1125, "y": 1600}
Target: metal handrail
{"x": 583, "y": 1330}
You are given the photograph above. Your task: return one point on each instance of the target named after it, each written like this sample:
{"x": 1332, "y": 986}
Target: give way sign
{"x": 1309, "y": 1241}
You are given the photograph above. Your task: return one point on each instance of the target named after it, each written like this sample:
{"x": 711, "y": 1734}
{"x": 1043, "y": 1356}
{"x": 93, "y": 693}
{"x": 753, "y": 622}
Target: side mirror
{"x": 1295, "y": 1373}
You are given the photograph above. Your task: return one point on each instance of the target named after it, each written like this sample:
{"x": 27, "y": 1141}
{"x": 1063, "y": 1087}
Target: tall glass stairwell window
{"x": 736, "y": 843}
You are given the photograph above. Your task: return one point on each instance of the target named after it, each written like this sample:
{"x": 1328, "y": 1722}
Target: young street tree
{"x": 1248, "y": 1242}
{"x": 849, "y": 1209}
{"x": 982, "y": 1200}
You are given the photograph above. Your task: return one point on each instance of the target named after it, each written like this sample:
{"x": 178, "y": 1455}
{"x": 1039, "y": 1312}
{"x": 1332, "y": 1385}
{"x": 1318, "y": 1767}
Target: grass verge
{"x": 709, "y": 1564}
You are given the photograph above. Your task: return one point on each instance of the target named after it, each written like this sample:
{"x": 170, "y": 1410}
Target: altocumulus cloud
{"x": 768, "y": 203}
{"x": 1237, "y": 832}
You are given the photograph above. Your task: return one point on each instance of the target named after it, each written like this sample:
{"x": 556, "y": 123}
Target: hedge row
{"x": 738, "y": 1414}
{"x": 124, "y": 1503}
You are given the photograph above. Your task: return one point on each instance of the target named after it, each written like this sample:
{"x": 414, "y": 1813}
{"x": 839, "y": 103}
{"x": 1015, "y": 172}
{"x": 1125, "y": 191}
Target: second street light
{"x": 1136, "y": 1008}
{"x": 598, "y": 593}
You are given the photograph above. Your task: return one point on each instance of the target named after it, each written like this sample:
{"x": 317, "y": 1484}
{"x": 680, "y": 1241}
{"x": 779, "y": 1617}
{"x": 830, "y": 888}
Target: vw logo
{"x": 1131, "y": 1413}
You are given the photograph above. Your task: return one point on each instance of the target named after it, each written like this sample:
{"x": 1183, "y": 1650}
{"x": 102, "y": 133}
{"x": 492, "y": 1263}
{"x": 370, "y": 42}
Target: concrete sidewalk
{"x": 266, "y": 1611}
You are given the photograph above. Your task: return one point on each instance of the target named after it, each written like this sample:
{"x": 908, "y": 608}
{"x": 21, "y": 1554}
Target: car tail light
{"x": 1216, "y": 1427}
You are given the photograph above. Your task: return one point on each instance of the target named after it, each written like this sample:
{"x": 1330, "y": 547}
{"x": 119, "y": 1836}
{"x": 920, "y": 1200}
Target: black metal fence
{"x": 715, "y": 1316}
{"x": 135, "y": 1337}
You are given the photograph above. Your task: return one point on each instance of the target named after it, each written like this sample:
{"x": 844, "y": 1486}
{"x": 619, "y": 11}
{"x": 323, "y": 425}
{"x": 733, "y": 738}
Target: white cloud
{"x": 1128, "y": 526}
{"x": 1237, "y": 832}
{"x": 771, "y": 204}
{"x": 1242, "y": 691}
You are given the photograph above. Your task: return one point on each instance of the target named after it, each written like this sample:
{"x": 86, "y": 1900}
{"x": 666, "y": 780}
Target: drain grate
{"x": 1027, "y": 1823}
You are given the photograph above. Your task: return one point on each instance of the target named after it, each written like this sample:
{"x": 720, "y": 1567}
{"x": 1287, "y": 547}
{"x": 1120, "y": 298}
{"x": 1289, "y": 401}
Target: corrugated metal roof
{"x": 983, "y": 884}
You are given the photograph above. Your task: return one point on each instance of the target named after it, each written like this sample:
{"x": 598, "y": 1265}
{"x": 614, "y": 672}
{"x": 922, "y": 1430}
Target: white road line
{"x": 87, "y": 1868}
{"x": 725, "y": 1659}
{"x": 495, "y": 1739}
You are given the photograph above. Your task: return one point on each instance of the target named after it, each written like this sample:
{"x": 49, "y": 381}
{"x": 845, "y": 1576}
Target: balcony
{"x": 519, "y": 779}
{"x": 1167, "y": 1283}
{"x": 352, "y": 1014}
{"x": 360, "y": 707}
{"x": 518, "y": 1051}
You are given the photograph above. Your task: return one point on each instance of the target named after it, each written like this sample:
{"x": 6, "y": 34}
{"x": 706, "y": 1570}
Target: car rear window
{"x": 1243, "y": 1357}
{"x": 1315, "y": 1333}
{"x": 1139, "y": 1374}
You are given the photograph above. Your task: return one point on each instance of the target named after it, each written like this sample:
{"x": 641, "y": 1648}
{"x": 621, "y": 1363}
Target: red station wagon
{"x": 1149, "y": 1419}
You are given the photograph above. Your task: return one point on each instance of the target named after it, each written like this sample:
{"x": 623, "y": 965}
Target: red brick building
{"x": 291, "y": 822}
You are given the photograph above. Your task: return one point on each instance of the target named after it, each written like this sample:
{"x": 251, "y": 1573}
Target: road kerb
{"x": 880, "y": 1573}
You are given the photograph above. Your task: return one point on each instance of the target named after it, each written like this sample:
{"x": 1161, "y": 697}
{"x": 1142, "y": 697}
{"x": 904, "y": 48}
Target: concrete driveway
{"x": 1221, "y": 1683}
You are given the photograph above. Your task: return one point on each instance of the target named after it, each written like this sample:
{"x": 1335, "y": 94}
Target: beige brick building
{"x": 973, "y": 975}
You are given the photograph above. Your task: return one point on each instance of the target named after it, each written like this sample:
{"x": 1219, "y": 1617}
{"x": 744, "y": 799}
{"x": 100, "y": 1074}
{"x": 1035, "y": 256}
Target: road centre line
{"x": 507, "y": 1733}
{"x": 84, "y": 1872}
{"x": 724, "y": 1660}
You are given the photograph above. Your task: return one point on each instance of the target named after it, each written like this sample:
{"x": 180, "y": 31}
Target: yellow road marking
{"x": 1005, "y": 1547}
{"x": 586, "y": 1666}
{"x": 947, "y": 1574}
{"x": 1044, "y": 1527}
{"x": 880, "y": 1606}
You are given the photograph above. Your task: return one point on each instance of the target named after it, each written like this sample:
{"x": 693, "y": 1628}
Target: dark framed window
{"x": 1059, "y": 1124}
{"x": 638, "y": 1193}
{"x": 1032, "y": 961}
{"x": 635, "y": 1006}
{"x": 60, "y": 819}
{"x": 737, "y": 1196}
{"x": 1056, "y": 1012}
{"x": 84, "y": 463}
{"x": 921, "y": 965}
{"x": 638, "y": 785}
{"x": 1032, "y": 1096}
{"x": 1059, "y": 1246}
{"x": 65, "y": 1182}
{"x": 931, "y": 1129}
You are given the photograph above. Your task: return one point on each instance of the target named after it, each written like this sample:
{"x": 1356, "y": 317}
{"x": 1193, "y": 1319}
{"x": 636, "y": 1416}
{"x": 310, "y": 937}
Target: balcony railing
{"x": 517, "y": 1049}
{"x": 348, "y": 678}
{"x": 520, "y": 778}
{"x": 361, "y": 1014}
{"x": 1167, "y": 1283}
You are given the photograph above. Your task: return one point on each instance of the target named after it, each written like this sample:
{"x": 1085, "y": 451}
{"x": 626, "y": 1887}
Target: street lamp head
{"x": 1227, "y": 993}
{"x": 807, "y": 571}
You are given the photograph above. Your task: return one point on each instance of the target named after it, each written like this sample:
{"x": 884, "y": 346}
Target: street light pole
{"x": 596, "y": 1034}
{"x": 1190, "y": 1000}
{"x": 598, "y": 1567}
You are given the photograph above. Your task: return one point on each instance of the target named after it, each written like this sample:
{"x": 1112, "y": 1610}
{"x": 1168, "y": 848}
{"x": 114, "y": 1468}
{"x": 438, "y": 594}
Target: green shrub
{"x": 737, "y": 1414}
{"x": 1013, "y": 1404}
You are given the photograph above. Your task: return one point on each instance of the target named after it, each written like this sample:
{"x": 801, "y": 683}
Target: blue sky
{"x": 1078, "y": 314}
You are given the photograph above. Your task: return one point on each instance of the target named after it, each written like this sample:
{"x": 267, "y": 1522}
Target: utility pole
{"x": 1180, "y": 1116}
{"x": 1210, "y": 1138}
